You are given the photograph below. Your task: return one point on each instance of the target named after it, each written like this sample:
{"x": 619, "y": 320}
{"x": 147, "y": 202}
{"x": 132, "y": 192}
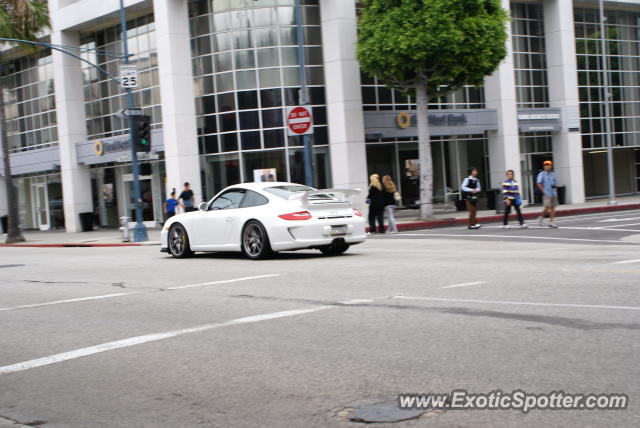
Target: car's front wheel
{"x": 334, "y": 249}
{"x": 255, "y": 241}
{"x": 179, "y": 242}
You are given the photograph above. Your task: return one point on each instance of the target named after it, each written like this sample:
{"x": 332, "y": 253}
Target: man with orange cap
{"x": 548, "y": 185}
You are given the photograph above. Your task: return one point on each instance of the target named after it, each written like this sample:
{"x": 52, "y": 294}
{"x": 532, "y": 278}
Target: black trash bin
{"x": 5, "y": 223}
{"x": 562, "y": 195}
{"x": 499, "y": 202}
{"x": 86, "y": 221}
{"x": 491, "y": 199}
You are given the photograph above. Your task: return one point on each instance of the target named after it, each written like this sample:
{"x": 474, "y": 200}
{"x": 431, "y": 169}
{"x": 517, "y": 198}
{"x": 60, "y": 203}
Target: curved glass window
{"x": 246, "y": 74}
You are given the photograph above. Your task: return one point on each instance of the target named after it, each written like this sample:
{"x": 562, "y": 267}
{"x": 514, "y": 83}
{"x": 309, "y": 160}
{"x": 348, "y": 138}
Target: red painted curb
{"x": 432, "y": 224}
{"x": 68, "y": 245}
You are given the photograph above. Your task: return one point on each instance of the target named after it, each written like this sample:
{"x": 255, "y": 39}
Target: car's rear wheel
{"x": 179, "y": 242}
{"x": 255, "y": 241}
{"x": 334, "y": 249}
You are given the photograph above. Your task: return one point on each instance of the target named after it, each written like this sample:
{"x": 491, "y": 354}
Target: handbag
{"x": 518, "y": 201}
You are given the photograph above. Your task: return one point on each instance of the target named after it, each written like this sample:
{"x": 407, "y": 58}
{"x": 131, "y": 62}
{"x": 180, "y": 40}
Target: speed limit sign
{"x": 128, "y": 76}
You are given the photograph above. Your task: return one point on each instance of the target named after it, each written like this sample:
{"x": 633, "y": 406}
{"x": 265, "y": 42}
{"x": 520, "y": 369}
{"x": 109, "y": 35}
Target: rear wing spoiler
{"x": 337, "y": 195}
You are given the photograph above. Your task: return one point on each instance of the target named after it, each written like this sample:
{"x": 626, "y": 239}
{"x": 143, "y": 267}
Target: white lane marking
{"x": 226, "y": 281}
{"x": 624, "y": 262}
{"x": 472, "y": 235}
{"x": 590, "y": 216}
{"x": 465, "y": 284}
{"x": 80, "y": 299}
{"x": 356, "y": 301}
{"x": 618, "y": 219}
{"x": 108, "y": 296}
{"x": 498, "y": 302}
{"x": 596, "y": 228}
{"x": 619, "y": 225}
{"x": 138, "y": 340}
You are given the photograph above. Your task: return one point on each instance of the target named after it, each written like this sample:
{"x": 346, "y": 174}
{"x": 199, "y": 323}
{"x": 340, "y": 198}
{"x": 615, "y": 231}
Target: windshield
{"x": 285, "y": 192}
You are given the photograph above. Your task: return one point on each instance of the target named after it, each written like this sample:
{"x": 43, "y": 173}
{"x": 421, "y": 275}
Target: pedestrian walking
{"x": 376, "y": 202}
{"x": 392, "y": 197}
{"x": 187, "y": 199}
{"x": 169, "y": 206}
{"x": 470, "y": 190}
{"x": 511, "y": 196}
{"x": 548, "y": 185}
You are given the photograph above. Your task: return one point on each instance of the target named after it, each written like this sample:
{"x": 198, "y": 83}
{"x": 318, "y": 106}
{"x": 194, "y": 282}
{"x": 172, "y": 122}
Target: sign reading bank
{"x": 116, "y": 149}
{"x": 393, "y": 124}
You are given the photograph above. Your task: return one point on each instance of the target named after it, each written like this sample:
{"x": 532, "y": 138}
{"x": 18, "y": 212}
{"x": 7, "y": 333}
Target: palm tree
{"x": 19, "y": 19}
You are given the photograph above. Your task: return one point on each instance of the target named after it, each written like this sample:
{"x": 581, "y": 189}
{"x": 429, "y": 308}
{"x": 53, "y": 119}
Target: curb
{"x": 69, "y": 245}
{"x": 432, "y": 224}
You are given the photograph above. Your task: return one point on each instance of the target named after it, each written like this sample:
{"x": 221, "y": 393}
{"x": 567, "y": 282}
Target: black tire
{"x": 255, "y": 241}
{"x": 178, "y": 242}
{"x": 334, "y": 250}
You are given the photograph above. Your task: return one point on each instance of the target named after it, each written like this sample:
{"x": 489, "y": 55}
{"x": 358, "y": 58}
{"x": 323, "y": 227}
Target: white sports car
{"x": 262, "y": 218}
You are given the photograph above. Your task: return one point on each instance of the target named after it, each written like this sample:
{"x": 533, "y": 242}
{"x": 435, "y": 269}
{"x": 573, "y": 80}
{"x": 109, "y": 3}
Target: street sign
{"x": 130, "y": 112}
{"x": 299, "y": 121}
{"x": 128, "y": 76}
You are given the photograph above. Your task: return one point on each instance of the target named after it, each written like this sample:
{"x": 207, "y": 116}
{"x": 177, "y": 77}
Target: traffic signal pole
{"x": 139, "y": 230}
{"x": 304, "y": 96}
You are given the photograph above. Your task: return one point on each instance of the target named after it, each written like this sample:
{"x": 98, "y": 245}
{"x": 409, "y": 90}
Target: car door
{"x": 213, "y": 227}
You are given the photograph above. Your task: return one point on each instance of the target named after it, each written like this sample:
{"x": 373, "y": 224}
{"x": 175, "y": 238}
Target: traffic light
{"x": 141, "y": 131}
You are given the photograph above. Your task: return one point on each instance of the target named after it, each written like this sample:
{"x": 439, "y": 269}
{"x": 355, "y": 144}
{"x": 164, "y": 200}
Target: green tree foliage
{"x": 431, "y": 47}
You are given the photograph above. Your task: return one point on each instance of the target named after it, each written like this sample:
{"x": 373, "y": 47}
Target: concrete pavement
{"x": 123, "y": 337}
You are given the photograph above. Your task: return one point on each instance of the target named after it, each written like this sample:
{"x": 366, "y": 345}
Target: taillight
{"x": 300, "y": 215}
{"x": 356, "y": 212}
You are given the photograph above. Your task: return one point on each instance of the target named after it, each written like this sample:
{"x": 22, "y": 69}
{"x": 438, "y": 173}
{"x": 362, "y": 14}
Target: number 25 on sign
{"x": 128, "y": 76}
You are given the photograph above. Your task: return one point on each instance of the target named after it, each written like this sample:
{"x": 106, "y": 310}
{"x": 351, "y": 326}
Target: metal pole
{"x": 607, "y": 113}
{"x": 304, "y": 98}
{"x": 139, "y": 231}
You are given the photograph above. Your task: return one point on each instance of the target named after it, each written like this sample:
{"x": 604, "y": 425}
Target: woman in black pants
{"x": 376, "y": 201}
{"x": 511, "y": 195}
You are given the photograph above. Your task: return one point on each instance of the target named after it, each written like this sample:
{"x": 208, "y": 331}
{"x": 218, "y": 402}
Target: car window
{"x": 253, "y": 199}
{"x": 286, "y": 192}
{"x": 228, "y": 200}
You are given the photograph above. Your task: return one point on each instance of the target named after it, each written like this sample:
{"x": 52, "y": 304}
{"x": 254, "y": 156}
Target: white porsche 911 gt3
{"x": 262, "y": 218}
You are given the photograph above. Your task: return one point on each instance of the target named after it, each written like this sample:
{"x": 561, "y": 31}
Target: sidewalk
{"x": 408, "y": 219}
{"x": 96, "y": 238}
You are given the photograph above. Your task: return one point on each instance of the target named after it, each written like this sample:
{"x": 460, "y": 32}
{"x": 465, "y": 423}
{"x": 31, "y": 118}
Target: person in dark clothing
{"x": 377, "y": 201}
{"x": 470, "y": 190}
{"x": 188, "y": 201}
{"x": 511, "y": 196}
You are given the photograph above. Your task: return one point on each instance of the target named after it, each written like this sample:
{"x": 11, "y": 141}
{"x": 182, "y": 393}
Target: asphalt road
{"x": 124, "y": 337}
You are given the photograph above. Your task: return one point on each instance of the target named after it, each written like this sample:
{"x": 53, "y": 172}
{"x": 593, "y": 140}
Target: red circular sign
{"x": 299, "y": 120}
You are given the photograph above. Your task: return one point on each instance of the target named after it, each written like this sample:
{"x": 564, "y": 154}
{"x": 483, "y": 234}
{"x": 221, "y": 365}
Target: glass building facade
{"x": 529, "y": 61}
{"x": 104, "y": 97}
{"x": 622, "y": 60}
{"x": 30, "y": 102}
{"x": 245, "y": 65}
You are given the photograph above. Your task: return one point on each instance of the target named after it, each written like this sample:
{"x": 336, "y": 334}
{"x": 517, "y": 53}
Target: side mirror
{"x": 203, "y": 206}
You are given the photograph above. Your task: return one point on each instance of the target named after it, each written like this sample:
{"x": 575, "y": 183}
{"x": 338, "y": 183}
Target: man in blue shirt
{"x": 170, "y": 206}
{"x": 548, "y": 185}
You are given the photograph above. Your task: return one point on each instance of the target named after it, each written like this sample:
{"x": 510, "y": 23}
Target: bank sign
{"x": 116, "y": 149}
{"x": 394, "y": 124}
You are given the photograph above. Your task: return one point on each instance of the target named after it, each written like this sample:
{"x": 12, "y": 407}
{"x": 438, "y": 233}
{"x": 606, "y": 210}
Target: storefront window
{"x": 265, "y": 166}
{"x": 221, "y": 171}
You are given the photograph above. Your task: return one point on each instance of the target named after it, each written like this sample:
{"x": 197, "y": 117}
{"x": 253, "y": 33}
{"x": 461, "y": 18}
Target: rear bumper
{"x": 315, "y": 233}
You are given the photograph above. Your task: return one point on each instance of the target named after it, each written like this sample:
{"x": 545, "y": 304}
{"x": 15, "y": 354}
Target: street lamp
{"x": 607, "y": 112}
